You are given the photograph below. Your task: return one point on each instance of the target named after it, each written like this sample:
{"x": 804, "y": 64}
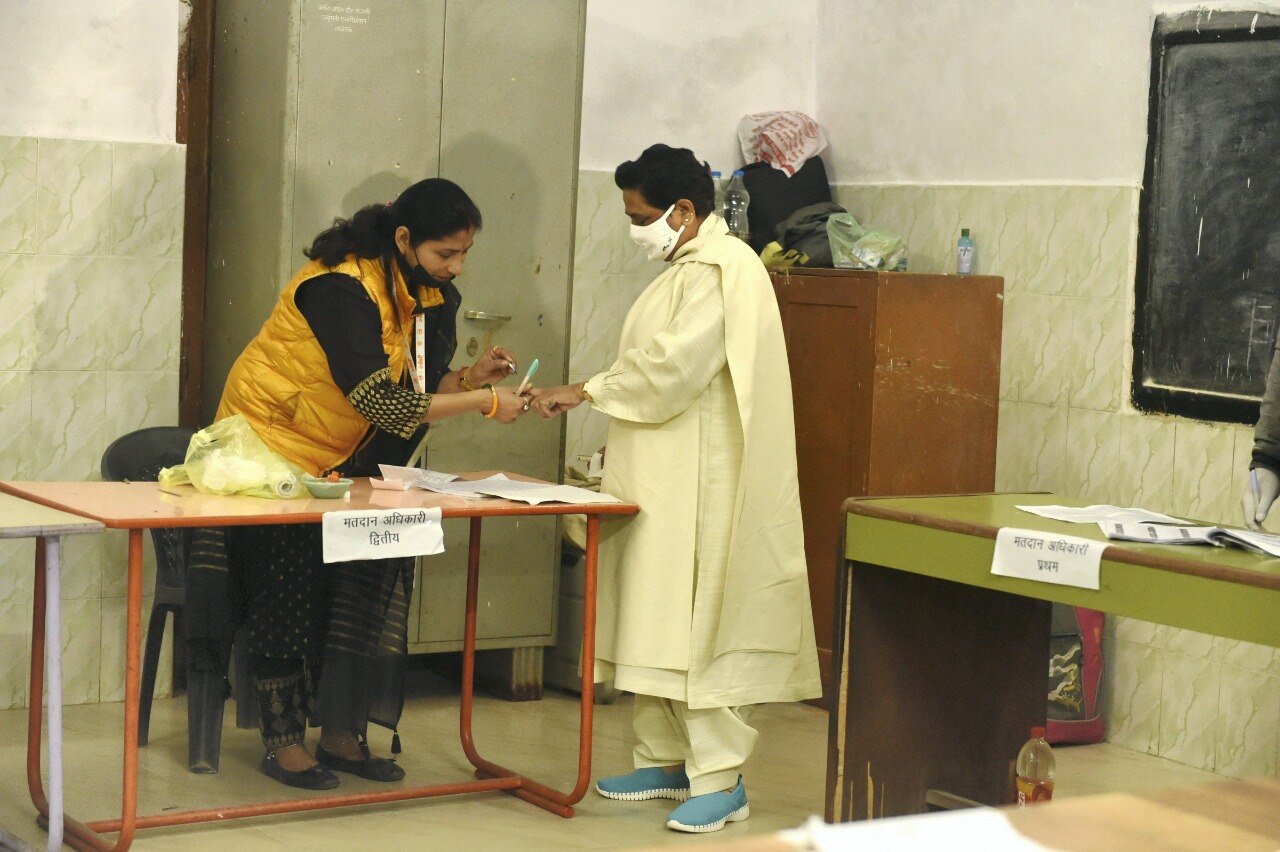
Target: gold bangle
{"x": 587, "y": 396}
{"x": 494, "y": 410}
{"x": 462, "y": 378}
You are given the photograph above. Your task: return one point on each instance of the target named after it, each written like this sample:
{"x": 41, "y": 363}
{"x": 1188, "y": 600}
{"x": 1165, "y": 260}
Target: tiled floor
{"x": 784, "y": 779}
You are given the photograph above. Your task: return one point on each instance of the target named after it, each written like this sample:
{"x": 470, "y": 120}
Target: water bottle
{"x": 719, "y": 190}
{"x": 1035, "y": 770}
{"x": 736, "y": 199}
{"x": 964, "y": 253}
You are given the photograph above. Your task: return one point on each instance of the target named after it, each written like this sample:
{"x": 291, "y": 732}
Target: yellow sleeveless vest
{"x": 281, "y": 382}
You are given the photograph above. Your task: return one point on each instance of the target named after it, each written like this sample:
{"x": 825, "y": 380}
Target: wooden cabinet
{"x": 896, "y": 382}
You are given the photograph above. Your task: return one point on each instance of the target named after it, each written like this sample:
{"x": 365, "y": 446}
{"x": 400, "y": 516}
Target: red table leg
{"x": 531, "y": 791}
{"x": 493, "y": 777}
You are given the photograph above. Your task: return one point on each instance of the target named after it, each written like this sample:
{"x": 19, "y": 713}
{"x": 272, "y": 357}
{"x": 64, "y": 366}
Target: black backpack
{"x": 774, "y": 196}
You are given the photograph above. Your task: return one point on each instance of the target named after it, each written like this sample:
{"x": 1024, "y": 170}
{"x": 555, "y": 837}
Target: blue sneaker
{"x": 710, "y": 811}
{"x": 648, "y": 783}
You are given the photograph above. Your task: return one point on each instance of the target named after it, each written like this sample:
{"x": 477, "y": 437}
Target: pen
{"x": 511, "y": 364}
{"x": 1257, "y": 492}
{"x": 533, "y": 368}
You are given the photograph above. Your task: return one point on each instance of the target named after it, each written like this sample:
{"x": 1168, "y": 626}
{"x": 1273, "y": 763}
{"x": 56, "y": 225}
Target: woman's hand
{"x": 510, "y": 406}
{"x": 494, "y": 365}
{"x": 552, "y": 401}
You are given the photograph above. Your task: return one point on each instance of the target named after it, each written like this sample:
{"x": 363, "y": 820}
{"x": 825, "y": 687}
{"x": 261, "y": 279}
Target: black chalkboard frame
{"x": 1198, "y": 27}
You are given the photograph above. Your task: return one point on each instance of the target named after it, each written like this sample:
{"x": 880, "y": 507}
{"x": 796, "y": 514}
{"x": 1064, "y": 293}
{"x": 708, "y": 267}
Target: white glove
{"x": 1256, "y": 509}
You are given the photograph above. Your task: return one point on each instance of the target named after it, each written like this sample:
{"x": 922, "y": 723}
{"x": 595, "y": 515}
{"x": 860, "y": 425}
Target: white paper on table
{"x": 1064, "y": 560}
{"x": 1157, "y": 533}
{"x": 459, "y": 487}
{"x": 414, "y": 474}
{"x": 535, "y": 493}
{"x": 381, "y": 534}
{"x": 532, "y": 493}
{"x": 1268, "y": 543}
{"x": 499, "y": 485}
{"x": 1098, "y": 513}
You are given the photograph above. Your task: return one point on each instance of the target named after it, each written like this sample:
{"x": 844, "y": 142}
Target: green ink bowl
{"x": 323, "y": 489}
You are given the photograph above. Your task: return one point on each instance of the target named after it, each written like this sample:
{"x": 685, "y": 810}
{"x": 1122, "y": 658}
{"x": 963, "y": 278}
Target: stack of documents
{"x": 497, "y": 485}
{"x": 1172, "y": 534}
{"x": 1130, "y": 524}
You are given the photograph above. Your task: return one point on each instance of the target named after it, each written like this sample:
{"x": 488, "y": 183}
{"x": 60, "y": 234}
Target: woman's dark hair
{"x": 431, "y": 209}
{"x": 664, "y": 175}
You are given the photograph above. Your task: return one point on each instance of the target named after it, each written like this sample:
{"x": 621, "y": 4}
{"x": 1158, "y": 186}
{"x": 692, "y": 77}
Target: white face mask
{"x": 657, "y": 238}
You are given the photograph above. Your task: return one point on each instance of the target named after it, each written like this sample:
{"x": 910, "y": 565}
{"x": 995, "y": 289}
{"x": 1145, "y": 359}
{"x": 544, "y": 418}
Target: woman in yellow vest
{"x": 346, "y": 373}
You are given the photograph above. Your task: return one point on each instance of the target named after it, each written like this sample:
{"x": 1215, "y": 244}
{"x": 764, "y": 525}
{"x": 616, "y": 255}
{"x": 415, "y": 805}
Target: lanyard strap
{"x": 418, "y": 357}
{"x": 419, "y": 354}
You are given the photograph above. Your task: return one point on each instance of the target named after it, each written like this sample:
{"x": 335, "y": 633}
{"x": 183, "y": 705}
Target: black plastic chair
{"x": 138, "y": 457}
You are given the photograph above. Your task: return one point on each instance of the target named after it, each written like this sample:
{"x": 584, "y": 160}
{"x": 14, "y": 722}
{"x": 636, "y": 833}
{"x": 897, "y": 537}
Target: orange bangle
{"x": 494, "y": 410}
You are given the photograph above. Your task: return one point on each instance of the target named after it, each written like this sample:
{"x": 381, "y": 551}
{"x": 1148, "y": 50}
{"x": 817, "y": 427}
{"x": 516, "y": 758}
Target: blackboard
{"x": 1208, "y": 271}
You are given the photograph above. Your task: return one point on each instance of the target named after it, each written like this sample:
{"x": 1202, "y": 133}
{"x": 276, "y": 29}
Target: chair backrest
{"x": 138, "y": 457}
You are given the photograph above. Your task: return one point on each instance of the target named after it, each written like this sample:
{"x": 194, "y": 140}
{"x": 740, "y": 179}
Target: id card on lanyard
{"x": 418, "y": 372}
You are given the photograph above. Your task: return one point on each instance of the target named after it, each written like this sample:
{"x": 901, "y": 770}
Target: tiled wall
{"x": 609, "y": 272}
{"x": 90, "y": 312}
{"x": 1067, "y": 255}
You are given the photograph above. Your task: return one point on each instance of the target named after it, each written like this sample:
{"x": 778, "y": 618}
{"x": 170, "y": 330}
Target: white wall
{"x": 684, "y": 73}
{"x": 104, "y": 70}
{"x": 948, "y": 91}
{"x": 1166, "y": 7}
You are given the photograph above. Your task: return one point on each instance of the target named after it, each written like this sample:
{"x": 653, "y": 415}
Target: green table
{"x": 943, "y": 665}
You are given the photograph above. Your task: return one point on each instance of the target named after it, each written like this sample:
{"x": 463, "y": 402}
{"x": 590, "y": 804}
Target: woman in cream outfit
{"x": 703, "y": 597}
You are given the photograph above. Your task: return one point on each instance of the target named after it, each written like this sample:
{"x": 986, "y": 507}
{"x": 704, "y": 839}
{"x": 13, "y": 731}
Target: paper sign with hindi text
{"x": 1066, "y": 560}
{"x": 381, "y": 534}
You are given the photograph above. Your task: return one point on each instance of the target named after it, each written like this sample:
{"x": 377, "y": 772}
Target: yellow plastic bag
{"x": 229, "y": 458}
{"x": 774, "y": 255}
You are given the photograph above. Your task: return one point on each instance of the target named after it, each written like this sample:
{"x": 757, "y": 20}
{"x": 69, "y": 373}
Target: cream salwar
{"x": 712, "y": 743}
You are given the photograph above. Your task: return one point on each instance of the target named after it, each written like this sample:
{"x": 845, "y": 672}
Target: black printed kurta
{"x": 346, "y": 621}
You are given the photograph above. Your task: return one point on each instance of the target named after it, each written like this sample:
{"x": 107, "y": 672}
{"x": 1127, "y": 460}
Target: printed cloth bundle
{"x": 784, "y": 140}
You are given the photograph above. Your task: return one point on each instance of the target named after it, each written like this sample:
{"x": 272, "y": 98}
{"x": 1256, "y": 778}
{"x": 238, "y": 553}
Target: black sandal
{"x": 371, "y": 768}
{"x": 313, "y": 778}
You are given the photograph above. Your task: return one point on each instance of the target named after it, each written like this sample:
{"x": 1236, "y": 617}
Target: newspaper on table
{"x": 1267, "y": 543}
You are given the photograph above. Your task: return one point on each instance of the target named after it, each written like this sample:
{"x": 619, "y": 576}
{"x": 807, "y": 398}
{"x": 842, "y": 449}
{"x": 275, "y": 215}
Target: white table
{"x": 22, "y": 519}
